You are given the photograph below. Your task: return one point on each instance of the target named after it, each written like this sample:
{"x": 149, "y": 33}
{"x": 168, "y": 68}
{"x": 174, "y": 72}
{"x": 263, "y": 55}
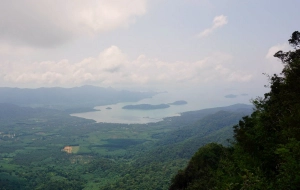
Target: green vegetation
{"x": 265, "y": 153}
{"x": 34, "y": 144}
{"x": 48, "y": 149}
{"x": 153, "y": 107}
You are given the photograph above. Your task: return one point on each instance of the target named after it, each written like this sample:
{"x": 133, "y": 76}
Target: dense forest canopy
{"x": 46, "y": 148}
{"x": 265, "y": 153}
{"x": 42, "y": 148}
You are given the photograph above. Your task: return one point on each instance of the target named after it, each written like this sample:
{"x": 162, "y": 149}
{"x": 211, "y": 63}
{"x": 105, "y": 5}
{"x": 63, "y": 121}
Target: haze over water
{"x": 195, "y": 102}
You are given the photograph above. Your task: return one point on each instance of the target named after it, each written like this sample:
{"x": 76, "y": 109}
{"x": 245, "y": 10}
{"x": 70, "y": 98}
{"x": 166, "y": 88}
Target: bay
{"x": 195, "y": 101}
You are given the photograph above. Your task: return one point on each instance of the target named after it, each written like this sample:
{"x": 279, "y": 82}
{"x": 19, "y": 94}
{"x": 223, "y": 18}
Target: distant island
{"x": 108, "y": 108}
{"x": 146, "y": 107}
{"x": 179, "y": 102}
{"x": 153, "y": 107}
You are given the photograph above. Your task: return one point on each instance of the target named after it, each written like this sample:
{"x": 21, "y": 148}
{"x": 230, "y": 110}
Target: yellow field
{"x": 71, "y": 149}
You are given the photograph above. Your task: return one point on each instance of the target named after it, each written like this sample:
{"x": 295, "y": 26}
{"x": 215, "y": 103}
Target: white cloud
{"x": 49, "y": 23}
{"x": 108, "y": 15}
{"x": 8, "y": 49}
{"x": 218, "y": 22}
{"x": 274, "y": 49}
{"x": 113, "y": 68}
{"x": 273, "y": 64}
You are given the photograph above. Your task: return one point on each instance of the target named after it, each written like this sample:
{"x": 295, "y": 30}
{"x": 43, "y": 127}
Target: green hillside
{"x": 103, "y": 155}
{"x": 265, "y": 153}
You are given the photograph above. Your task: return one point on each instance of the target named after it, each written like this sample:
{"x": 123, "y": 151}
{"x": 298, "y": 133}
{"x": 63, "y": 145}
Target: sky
{"x": 197, "y": 46}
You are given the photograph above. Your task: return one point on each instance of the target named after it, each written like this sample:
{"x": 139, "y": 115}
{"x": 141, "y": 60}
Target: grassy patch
{"x": 75, "y": 149}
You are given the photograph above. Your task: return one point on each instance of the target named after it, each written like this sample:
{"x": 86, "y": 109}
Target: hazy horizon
{"x": 195, "y": 46}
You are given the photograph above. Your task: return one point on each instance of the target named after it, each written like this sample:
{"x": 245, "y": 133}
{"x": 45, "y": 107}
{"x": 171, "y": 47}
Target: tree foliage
{"x": 266, "y": 150}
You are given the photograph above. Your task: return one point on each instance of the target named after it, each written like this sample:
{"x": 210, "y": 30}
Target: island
{"x": 179, "y": 102}
{"x": 230, "y": 96}
{"x": 108, "y": 108}
{"x": 145, "y": 107}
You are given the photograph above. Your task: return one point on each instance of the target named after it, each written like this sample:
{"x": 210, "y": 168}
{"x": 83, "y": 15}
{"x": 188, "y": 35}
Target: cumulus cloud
{"x": 112, "y": 67}
{"x": 49, "y": 23}
{"x": 274, "y": 65}
{"x": 218, "y": 22}
{"x": 274, "y": 49}
{"x": 107, "y": 15}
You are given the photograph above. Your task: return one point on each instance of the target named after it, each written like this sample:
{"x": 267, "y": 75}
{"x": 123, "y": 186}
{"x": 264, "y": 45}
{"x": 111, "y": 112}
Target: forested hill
{"x": 265, "y": 153}
{"x": 184, "y": 142}
{"x": 84, "y": 96}
{"x": 14, "y": 112}
{"x": 103, "y": 155}
{"x": 154, "y": 164}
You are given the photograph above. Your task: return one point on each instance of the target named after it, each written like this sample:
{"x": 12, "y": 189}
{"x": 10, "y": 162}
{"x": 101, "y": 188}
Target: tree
{"x": 271, "y": 136}
{"x": 266, "y": 150}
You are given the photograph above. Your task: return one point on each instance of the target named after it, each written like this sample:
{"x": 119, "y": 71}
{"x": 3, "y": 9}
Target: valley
{"x": 48, "y": 147}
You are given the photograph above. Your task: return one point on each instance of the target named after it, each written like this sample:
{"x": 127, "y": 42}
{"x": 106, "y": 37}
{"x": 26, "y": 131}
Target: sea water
{"x": 195, "y": 101}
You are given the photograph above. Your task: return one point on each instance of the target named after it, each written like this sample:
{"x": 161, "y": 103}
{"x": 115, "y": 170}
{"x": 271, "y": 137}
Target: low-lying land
{"x": 153, "y": 107}
{"x": 48, "y": 149}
